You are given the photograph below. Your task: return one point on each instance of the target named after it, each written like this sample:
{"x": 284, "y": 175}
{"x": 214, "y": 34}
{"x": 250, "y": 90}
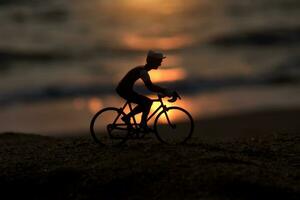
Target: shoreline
{"x": 241, "y": 125}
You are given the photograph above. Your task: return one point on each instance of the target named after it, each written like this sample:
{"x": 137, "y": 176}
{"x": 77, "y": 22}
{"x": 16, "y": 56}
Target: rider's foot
{"x": 126, "y": 119}
{"x": 146, "y": 128}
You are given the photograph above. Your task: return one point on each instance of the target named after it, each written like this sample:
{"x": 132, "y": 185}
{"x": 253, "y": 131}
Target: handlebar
{"x": 174, "y": 97}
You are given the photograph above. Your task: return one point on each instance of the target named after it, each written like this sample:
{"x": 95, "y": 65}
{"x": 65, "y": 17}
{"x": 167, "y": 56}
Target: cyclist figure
{"x": 125, "y": 88}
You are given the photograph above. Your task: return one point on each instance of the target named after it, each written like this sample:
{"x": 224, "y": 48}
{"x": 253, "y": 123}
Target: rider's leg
{"x": 147, "y": 107}
{"x": 144, "y": 105}
{"x": 135, "y": 111}
{"x": 129, "y": 96}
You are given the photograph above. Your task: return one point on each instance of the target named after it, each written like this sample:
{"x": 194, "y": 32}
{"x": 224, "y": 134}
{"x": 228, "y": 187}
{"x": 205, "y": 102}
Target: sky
{"x": 67, "y": 57}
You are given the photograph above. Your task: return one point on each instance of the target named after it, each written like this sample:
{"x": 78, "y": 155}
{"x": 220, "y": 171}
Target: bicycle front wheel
{"x": 173, "y": 126}
{"x": 107, "y": 128}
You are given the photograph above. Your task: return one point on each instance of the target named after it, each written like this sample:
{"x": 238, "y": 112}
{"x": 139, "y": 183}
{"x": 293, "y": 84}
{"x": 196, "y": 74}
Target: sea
{"x": 60, "y": 60}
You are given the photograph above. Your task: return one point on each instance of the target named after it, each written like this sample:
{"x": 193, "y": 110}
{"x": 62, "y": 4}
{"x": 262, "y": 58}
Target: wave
{"x": 191, "y": 86}
{"x": 262, "y": 37}
{"x": 7, "y": 56}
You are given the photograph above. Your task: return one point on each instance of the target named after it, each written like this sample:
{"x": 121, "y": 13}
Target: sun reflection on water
{"x": 173, "y": 116}
{"x": 95, "y": 104}
{"x": 141, "y": 42}
{"x": 167, "y": 75}
{"x": 161, "y": 7}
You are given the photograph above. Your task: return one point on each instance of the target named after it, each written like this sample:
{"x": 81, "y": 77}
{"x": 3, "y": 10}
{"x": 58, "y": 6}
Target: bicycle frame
{"x": 162, "y": 106}
{"x": 121, "y": 131}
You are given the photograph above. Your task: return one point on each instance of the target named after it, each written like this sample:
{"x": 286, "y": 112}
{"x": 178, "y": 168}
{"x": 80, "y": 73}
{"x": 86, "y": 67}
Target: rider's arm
{"x": 148, "y": 83}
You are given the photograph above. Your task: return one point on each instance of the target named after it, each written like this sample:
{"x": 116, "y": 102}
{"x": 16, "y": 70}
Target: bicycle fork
{"x": 168, "y": 119}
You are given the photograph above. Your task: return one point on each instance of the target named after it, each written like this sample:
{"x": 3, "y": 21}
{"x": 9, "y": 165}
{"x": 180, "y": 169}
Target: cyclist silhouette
{"x": 125, "y": 88}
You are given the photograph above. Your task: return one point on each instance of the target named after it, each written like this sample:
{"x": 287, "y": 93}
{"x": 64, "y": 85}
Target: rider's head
{"x": 154, "y": 59}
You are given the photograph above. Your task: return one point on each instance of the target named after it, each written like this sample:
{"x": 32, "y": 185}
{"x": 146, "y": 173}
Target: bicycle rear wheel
{"x": 107, "y": 128}
{"x": 173, "y": 126}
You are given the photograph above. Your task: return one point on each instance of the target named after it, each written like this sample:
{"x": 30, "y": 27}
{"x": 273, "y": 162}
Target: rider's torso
{"x": 125, "y": 86}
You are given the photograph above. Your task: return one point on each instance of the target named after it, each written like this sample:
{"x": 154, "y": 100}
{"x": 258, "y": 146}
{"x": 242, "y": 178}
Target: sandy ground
{"x": 255, "y": 166}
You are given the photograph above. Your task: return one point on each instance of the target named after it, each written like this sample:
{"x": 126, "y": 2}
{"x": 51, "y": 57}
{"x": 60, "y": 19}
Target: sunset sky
{"x": 67, "y": 57}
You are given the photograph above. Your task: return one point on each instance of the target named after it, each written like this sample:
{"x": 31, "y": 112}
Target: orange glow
{"x": 94, "y": 104}
{"x": 173, "y": 116}
{"x": 167, "y": 75}
{"x": 171, "y": 60}
{"x": 154, "y": 6}
{"x": 78, "y": 103}
{"x": 138, "y": 42}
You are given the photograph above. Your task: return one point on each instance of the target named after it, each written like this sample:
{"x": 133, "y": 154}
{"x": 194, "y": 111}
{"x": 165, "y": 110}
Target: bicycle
{"x": 118, "y": 132}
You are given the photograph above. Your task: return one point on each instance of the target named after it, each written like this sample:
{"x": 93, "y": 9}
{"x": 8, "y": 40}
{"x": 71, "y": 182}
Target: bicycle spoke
{"x": 107, "y": 127}
{"x": 174, "y": 126}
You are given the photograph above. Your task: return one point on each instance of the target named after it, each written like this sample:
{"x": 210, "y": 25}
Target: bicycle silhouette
{"x": 165, "y": 127}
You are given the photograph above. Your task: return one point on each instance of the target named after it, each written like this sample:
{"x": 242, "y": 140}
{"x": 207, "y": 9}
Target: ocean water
{"x": 60, "y": 60}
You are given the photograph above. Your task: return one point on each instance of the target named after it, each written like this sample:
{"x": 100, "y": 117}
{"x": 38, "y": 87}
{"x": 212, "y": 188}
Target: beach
{"x": 261, "y": 163}
{"x": 234, "y": 63}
